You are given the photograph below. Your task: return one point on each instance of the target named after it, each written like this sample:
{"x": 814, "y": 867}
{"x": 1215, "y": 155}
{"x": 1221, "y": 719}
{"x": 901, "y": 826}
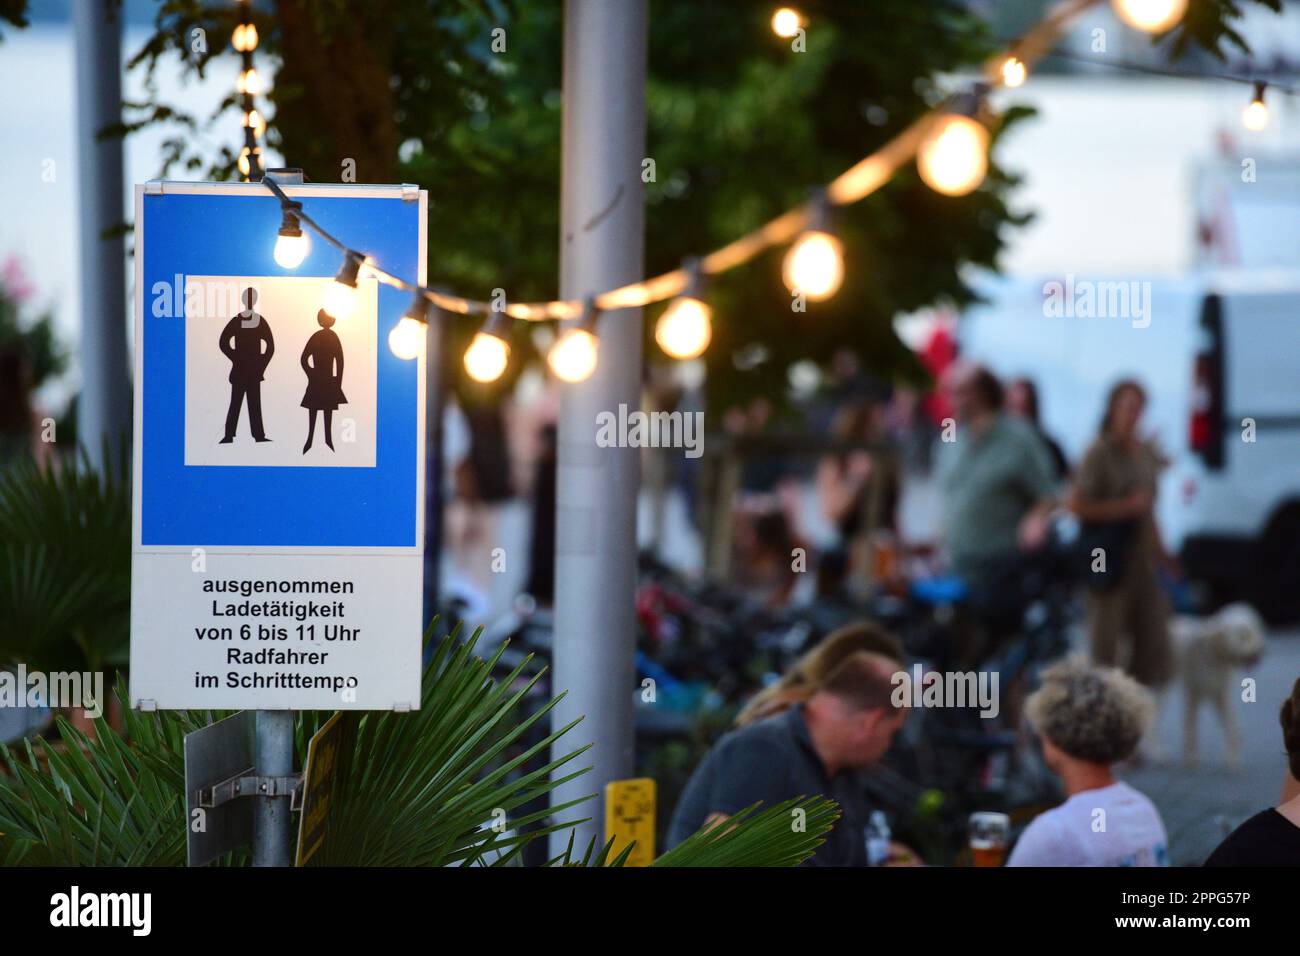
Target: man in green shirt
{"x": 995, "y": 478}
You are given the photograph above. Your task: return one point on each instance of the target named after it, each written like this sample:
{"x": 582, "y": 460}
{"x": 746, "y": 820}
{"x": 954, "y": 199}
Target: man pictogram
{"x": 241, "y": 342}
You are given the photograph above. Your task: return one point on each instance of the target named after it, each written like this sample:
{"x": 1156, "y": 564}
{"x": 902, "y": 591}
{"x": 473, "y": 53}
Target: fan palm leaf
{"x": 65, "y": 565}
{"x": 447, "y": 785}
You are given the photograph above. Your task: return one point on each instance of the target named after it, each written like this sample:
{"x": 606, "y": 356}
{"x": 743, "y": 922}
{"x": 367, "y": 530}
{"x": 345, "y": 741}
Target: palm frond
{"x": 100, "y": 802}
{"x": 423, "y": 788}
{"x": 65, "y": 565}
{"x": 783, "y": 835}
{"x": 428, "y": 788}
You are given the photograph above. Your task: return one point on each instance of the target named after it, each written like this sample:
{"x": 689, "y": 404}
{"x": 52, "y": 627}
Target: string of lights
{"x": 1145, "y": 68}
{"x": 249, "y": 85}
{"x": 949, "y": 145}
{"x": 1255, "y": 114}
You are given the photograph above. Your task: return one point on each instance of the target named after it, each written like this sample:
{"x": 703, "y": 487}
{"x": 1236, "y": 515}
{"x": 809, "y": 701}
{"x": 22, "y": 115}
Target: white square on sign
{"x": 311, "y": 403}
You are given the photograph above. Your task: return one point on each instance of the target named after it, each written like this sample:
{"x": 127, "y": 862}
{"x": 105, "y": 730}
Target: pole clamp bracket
{"x": 246, "y": 783}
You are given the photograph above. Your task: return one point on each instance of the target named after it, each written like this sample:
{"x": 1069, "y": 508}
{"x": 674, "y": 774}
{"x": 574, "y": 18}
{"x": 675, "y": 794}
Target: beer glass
{"x": 989, "y": 835}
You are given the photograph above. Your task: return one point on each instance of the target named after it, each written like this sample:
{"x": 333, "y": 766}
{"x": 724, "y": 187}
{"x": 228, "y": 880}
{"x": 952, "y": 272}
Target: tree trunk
{"x": 332, "y": 98}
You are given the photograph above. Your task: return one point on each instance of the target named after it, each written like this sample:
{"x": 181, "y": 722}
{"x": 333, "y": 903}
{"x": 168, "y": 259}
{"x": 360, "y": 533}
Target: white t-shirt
{"x": 1109, "y": 826}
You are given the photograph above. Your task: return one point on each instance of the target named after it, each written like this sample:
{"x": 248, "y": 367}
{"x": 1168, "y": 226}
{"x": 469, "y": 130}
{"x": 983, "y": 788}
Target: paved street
{"x": 1200, "y": 806}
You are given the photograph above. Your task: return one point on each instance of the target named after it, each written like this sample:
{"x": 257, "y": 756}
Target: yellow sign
{"x": 318, "y": 788}
{"x": 630, "y": 816}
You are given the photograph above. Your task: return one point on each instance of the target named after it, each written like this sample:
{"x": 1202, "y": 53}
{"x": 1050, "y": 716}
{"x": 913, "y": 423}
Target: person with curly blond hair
{"x": 1089, "y": 719}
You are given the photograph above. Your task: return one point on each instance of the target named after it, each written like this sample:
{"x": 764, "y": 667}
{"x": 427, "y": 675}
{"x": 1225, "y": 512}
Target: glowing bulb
{"x": 246, "y": 157}
{"x": 341, "y": 294}
{"x": 1255, "y": 116}
{"x": 786, "y": 22}
{"x": 406, "y": 339}
{"x": 249, "y": 82}
{"x": 244, "y": 37}
{"x": 573, "y": 357}
{"x": 1013, "y": 72}
{"x": 255, "y": 122}
{"x": 339, "y": 299}
{"x": 486, "y": 357}
{"x": 290, "y": 250}
{"x": 685, "y": 328}
{"x": 1150, "y": 16}
{"x": 814, "y": 265}
{"x": 954, "y": 157}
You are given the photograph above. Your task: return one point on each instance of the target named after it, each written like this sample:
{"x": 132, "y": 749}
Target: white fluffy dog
{"x": 1208, "y": 650}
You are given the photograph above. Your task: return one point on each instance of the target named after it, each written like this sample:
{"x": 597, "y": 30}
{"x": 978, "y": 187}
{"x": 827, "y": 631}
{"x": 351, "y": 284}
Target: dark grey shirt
{"x": 771, "y": 761}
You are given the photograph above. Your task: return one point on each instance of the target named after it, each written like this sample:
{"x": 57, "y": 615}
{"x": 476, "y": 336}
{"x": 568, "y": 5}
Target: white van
{"x": 1219, "y": 354}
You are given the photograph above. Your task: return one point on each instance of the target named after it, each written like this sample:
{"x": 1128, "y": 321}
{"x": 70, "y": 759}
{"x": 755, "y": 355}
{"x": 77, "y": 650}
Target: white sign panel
{"x": 279, "y": 457}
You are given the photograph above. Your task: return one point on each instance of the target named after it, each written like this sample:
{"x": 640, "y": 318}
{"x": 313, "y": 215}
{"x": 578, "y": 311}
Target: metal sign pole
{"x": 272, "y": 833}
{"x": 273, "y": 756}
{"x": 603, "y": 220}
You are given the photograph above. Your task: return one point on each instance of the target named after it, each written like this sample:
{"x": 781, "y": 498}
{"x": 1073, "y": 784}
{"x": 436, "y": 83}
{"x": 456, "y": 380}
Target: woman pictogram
{"x": 322, "y": 360}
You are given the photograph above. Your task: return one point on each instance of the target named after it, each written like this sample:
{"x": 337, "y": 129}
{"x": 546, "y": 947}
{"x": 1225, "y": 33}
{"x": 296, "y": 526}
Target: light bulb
{"x": 1013, "y": 72}
{"x": 786, "y": 22}
{"x": 685, "y": 328}
{"x": 254, "y": 121}
{"x": 954, "y": 156}
{"x": 406, "y": 339}
{"x": 246, "y": 157}
{"x": 814, "y": 265}
{"x": 341, "y": 294}
{"x": 1255, "y": 116}
{"x": 249, "y": 82}
{"x": 244, "y": 37}
{"x": 573, "y": 357}
{"x": 291, "y": 250}
{"x": 339, "y": 299}
{"x": 486, "y": 357}
{"x": 1150, "y": 16}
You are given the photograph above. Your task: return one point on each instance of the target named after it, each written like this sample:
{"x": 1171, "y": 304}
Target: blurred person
{"x": 764, "y": 543}
{"x": 1089, "y": 719}
{"x": 996, "y": 477}
{"x": 541, "y": 539}
{"x": 816, "y": 747}
{"x": 1022, "y": 404}
{"x": 939, "y": 356}
{"x": 1271, "y": 837}
{"x": 482, "y": 484}
{"x": 1114, "y": 497}
{"x": 762, "y": 468}
{"x": 814, "y": 665}
{"x": 859, "y": 487}
{"x": 830, "y": 606}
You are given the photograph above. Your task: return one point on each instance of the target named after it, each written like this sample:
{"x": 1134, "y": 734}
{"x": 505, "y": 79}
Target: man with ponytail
{"x": 831, "y": 717}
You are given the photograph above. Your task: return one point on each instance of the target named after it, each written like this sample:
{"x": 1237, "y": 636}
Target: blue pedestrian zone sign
{"x": 277, "y": 560}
